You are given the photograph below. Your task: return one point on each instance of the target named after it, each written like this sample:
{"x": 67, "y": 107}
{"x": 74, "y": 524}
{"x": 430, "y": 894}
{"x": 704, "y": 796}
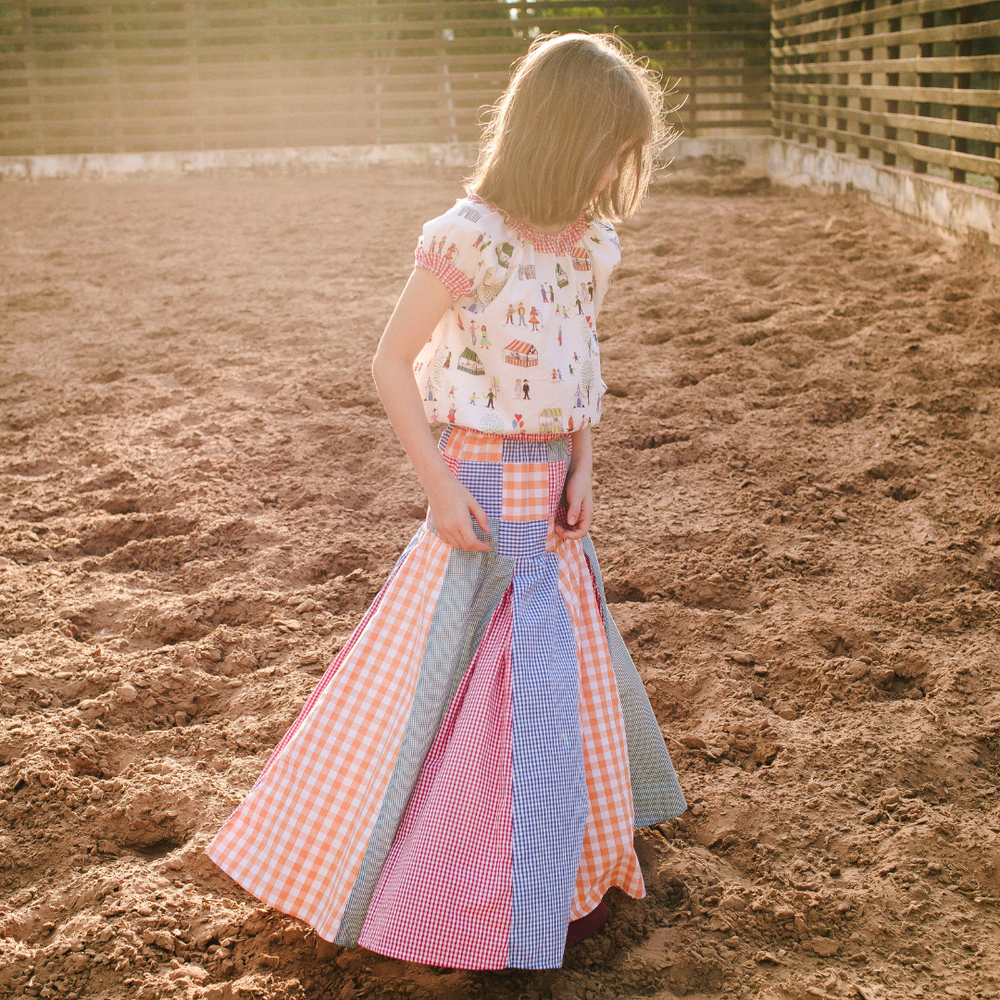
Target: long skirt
{"x": 465, "y": 778}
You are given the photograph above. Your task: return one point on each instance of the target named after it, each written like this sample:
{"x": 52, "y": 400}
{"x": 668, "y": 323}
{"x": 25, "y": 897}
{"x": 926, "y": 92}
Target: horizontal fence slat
{"x": 179, "y": 89}
{"x": 259, "y": 139}
{"x": 926, "y": 154}
{"x": 916, "y": 123}
{"x": 509, "y": 48}
{"x": 915, "y": 36}
{"x": 700, "y": 63}
{"x": 279, "y": 35}
{"x": 435, "y": 128}
{"x": 175, "y": 76}
{"x": 745, "y": 124}
{"x": 508, "y": 52}
{"x": 289, "y": 121}
{"x": 935, "y": 64}
{"x": 485, "y": 61}
{"x": 96, "y": 108}
{"x": 929, "y": 95}
{"x": 354, "y": 41}
{"x": 182, "y": 104}
{"x": 349, "y": 103}
{"x": 394, "y": 13}
{"x": 783, "y": 14}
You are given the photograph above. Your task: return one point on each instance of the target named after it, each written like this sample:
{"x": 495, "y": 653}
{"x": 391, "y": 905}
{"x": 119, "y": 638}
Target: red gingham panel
{"x": 474, "y": 438}
{"x": 557, "y": 481}
{"x": 444, "y": 896}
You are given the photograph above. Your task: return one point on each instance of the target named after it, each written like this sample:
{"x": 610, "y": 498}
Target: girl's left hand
{"x": 580, "y": 504}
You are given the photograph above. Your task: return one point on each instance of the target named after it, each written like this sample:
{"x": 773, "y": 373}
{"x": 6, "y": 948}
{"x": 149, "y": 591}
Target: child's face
{"x": 611, "y": 173}
{"x": 608, "y": 177}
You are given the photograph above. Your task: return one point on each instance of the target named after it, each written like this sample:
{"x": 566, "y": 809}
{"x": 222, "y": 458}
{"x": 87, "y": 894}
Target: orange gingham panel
{"x": 608, "y": 855}
{"x": 469, "y": 446}
{"x": 525, "y": 491}
{"x": 298, "y": 839}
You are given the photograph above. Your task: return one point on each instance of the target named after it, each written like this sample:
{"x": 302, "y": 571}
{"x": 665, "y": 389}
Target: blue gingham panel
{"x": 445, "y": 434}
{"x": 515, "y": 450}
{"x": 522, "y": 539}
{"x": 484, "y": 480}
{"x": 551, "y": 803}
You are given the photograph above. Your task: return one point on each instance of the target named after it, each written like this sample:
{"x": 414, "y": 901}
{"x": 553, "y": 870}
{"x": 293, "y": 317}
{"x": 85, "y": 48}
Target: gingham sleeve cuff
{"x": 458, "y": 285}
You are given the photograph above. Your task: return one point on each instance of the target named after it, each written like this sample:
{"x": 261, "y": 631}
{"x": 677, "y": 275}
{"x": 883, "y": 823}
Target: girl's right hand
{"x": 423, "y": 302}
{"x": 451, "y": 506}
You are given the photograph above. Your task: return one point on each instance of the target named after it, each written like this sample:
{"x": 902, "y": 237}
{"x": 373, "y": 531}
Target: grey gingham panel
{"x": 656, "y": 793}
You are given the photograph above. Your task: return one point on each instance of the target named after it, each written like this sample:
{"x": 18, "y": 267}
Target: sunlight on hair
{"x": 576, "y": 104}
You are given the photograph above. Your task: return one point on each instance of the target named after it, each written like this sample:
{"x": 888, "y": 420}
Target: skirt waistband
{"x": 468, "y": 443}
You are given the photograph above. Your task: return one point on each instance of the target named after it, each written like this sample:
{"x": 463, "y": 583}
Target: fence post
{"x": 692, "y": 72}
{"x": 194, "y": 81}
{"x": 31, "y": 71}
{"x": 961, "y": 81}
{"x": 113, "y": 79}
{"x": 442, "y": 54}
{"x": 276, "y": 108}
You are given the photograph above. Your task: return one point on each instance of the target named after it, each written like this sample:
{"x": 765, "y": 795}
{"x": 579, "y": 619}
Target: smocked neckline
{"x": 558, "y": 243}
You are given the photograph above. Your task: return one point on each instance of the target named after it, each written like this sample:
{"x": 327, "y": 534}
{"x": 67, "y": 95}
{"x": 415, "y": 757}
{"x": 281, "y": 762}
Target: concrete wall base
{"x": 306, "y": 159}
{"x": 742, "y": 152}
{"x": 960, "y": 209}
{"x": 746, "y": 154}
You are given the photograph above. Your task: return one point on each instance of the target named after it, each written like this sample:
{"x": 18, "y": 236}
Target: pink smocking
{"x": 557, "y": 243}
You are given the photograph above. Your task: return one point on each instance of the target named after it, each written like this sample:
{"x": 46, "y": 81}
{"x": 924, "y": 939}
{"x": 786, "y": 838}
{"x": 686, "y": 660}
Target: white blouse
{"x": 517, "y": 353}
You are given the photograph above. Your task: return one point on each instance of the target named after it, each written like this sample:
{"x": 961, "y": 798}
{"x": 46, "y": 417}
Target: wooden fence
{"x": 911, "y": 82}
{"x": 142, "y": 75}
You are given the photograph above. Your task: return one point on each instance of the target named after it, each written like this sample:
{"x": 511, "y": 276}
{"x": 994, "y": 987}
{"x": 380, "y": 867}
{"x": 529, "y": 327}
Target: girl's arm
{"x": 423, "y": 302}
{"x": 579, "y": 490}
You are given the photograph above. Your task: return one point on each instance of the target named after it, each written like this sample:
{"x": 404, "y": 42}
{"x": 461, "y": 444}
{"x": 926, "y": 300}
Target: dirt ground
{"x": 798, "y": 521}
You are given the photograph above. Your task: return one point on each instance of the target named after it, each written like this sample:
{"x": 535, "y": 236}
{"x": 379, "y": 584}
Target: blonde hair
{"x": 576, "y": 104}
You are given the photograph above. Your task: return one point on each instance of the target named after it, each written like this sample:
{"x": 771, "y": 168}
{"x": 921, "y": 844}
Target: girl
{"x": 462, "y": 786}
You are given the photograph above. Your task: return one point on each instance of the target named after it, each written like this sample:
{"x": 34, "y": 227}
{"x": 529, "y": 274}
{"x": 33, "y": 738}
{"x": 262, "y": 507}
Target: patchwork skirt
{"x": 465, "y": 778}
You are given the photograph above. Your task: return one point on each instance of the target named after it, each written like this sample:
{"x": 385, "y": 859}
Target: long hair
{"x": 575, "y": 105}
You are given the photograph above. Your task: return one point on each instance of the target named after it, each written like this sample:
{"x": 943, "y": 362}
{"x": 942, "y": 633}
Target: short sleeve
{"x": 452, "y": 248}
{"x": 605, "y": 254}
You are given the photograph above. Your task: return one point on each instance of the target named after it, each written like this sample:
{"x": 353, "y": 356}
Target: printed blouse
{"x": 517, "y": 353}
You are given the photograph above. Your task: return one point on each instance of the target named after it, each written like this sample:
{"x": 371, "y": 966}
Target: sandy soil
{"x": 798, "y": 522}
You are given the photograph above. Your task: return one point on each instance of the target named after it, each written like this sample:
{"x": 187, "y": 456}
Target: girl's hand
{"x": 451, "y": 506}
{"x": 423, "y": 302}
{"x": 580, "y": 505}
{"x": 579, "y": 491}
